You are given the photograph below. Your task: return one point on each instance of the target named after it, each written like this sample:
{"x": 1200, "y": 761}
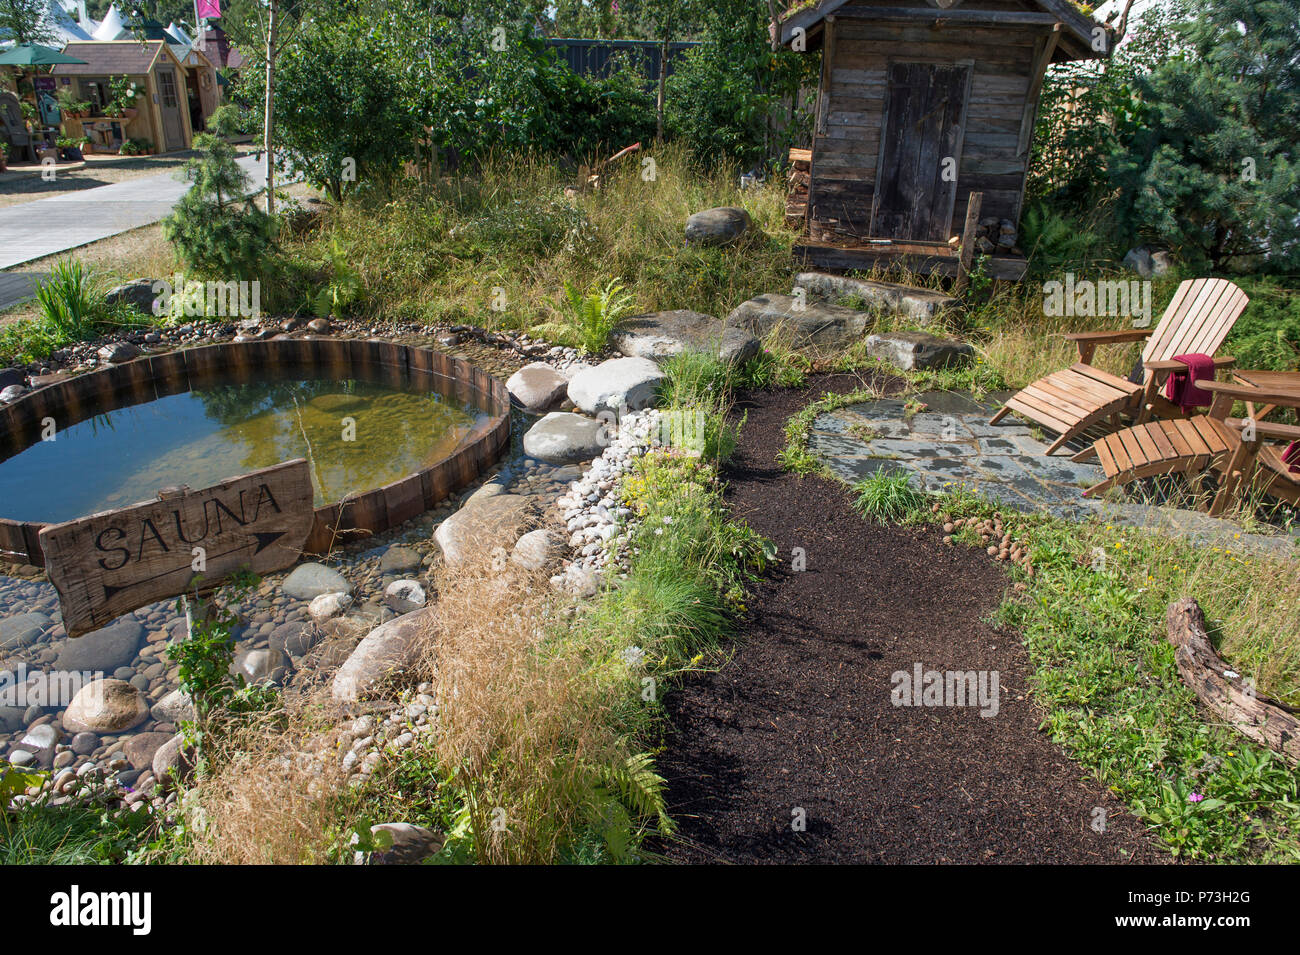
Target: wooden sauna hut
{"x": 925, "y": 116}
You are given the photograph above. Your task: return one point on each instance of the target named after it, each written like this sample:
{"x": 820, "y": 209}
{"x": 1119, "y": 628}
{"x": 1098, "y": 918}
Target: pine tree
{"x": 217, "y": 231}
{"x": 1212, "y": 170}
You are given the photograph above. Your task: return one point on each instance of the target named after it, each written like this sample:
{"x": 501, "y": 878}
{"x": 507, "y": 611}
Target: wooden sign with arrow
{"x": 109, "y": 564}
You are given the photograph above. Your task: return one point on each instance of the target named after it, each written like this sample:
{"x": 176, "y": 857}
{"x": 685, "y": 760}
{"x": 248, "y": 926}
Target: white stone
{"x": 327, "y": 606}
{"x": 408, "y": 590}
{"x": 616, "y": 385}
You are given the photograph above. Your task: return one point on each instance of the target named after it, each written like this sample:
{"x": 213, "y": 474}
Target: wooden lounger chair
{"x": 1213, "y": 441}
{"x": 1072, "y": 401}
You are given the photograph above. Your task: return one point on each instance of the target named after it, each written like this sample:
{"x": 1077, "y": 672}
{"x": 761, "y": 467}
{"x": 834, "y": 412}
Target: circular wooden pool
{"x": 400, "y": 368}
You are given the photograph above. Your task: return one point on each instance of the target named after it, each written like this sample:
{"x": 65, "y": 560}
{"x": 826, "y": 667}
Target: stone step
{"x": 925, "y": 305}
{"x": 810, "y": 323}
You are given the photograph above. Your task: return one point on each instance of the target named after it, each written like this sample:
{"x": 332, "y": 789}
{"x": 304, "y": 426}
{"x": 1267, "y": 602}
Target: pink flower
{"x": 1194, "y": 797}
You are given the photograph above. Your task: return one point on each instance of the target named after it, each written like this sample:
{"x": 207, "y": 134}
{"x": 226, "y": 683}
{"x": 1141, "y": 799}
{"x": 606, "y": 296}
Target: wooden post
{"x": 663, "y": 87}
{"x": 973, "y": 207}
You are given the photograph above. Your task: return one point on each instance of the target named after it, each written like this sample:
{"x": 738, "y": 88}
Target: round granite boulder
{"x": 721, "y": 226}
{"x": 616, "y": 385}
{"x": 565, "y": 438}
{"x": 105, "y": 706}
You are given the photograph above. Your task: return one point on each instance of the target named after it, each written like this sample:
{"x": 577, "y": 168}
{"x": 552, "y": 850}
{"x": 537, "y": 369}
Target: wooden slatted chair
{"x": 1070, "y": 402}
{"x": 1234, "y": 447}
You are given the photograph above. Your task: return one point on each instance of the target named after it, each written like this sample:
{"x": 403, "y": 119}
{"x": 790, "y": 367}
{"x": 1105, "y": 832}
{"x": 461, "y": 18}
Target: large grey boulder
{"x": 484, "y": 523}
{"x": 924, "y": 305}
{"x": 22, "y": 630}
{"x": 114, "y": 353}
{"x": 917, "y": 351}
{"x": 631, "y": 383}
{"x": 103, "y": 650}
{"x": 565, "y": 438}
{"x": 309, "y": 581}
{"x": 808, "y": 323}
{"x": 660, "y": 335}
{"x": 389, "y": 648}
{"x": 137, "y": 293}
{"x": 141, "y": 748}
{"x": 11, "y": 718}
{"x": 327, "y": 606}
{"x": 173, "y": 758}
{"x": 720, "y": 226}
{"x": 398, "y": 560}
{"x": 40, "y": 738}
{"x": 537, "y": 387}
{"x": 1147, "y": 262}
{"x": 105, "y": 706}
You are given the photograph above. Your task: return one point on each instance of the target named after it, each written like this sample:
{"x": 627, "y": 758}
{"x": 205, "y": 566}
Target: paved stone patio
{"x": 949, "y": 444}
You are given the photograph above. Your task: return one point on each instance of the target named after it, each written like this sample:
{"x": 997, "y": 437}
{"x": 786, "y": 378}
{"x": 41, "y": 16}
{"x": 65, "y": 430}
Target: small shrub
{"x": 343, "y": 287}
{"x": 137, "y": 147}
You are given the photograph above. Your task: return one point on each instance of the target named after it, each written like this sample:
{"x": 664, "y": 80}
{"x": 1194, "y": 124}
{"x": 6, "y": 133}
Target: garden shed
{"x": 161, "y": 114}
{"x": 922, "y": 105}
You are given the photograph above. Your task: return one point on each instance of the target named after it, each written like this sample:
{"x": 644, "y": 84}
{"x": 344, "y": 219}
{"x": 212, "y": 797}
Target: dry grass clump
{"x": 525, "y": 733}
{"x": 274, "y": 793}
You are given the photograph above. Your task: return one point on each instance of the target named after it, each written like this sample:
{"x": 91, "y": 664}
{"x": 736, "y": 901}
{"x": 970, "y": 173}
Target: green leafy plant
{"x": 137, "y": 147}
{"x": 69, "y": 104}
{"x": 1054, "y": 241}
{"x": 14, "y": 781}
{"x": 343, "y": 287}
{"x": 203, "y": 660}
{"x": 123, "y": 92}
{"x": 587, "y": 318}
{"x": 70, "y": 300}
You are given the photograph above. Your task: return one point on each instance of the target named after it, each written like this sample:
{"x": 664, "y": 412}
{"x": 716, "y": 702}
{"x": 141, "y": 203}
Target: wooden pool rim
{"x": 374, "y": 362}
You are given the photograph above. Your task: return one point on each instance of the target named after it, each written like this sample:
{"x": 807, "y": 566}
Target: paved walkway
{"x": 950, "y": 444}
{"x": 16, "y": 286}
{"x": 55, "y": 224}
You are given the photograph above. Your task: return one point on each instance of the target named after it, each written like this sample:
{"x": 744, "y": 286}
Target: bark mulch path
{"x": 802, "y": 716}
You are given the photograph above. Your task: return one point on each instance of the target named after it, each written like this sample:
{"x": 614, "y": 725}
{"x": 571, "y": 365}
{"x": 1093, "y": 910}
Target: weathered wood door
{"x": 920, "y": 151}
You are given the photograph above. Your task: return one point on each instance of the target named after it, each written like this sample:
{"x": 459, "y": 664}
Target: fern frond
{"x": 641, "y": 788}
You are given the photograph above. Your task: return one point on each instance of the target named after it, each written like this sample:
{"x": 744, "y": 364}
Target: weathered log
{"x": 1223, "y": 691}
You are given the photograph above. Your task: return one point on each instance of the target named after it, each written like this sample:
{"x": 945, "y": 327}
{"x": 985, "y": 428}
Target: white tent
{"x": 62, "y": 26}
{"x": 112, "y": 27}
{"x": 84, "y": 19}
{"x": 178, "y": 34}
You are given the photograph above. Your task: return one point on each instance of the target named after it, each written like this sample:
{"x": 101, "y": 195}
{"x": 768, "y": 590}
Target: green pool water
{"x": 355, "y": 436}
